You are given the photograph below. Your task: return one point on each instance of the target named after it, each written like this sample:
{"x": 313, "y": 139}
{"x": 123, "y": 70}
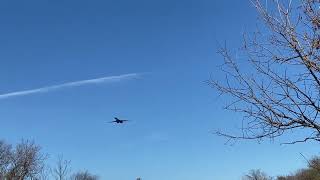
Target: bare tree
{"x": 256, "y": 175}
{"x": 280, "y": 90}
{"x": 84, "y": 175}
{"x": 26, "y": 162}
{"x": 23, "y": 162}
{"x": 62, "y": 169}
{"x": 44, "y": 174}
{"x": 5, "y": 156}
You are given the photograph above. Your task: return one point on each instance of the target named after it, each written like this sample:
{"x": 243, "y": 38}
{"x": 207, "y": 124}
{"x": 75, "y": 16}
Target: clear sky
{"x": 168, "y": 48}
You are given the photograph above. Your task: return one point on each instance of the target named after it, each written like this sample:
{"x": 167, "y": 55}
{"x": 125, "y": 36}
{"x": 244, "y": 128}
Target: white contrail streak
{"x": 108, "y": 79}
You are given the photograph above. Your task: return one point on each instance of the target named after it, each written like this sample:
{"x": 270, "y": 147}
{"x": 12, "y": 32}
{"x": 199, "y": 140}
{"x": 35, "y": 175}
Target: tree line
{"x": 311, "y": 172}
{"x": 25, "y": 161}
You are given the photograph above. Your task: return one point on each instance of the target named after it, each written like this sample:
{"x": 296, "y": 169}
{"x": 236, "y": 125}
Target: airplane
{"x": 118, "y": 120}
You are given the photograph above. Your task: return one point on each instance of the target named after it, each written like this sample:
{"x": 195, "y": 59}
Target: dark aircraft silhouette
{"x": 118, "y": 121}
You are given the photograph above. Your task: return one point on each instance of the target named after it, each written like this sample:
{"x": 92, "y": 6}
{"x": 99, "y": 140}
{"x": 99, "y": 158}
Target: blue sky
{"x": 171, "y": 46}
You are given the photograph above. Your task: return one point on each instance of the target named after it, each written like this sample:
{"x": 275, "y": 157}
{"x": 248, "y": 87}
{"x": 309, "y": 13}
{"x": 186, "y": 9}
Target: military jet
{"x": 118, "y": 120}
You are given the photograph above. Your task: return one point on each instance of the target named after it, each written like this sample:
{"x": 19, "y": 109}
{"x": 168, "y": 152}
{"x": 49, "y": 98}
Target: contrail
{"x": 108, "y": 79}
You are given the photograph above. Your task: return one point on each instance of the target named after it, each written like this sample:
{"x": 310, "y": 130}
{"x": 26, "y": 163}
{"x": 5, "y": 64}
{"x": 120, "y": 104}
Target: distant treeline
{"x": 25, "y": 161}
{"x": 311, "y": 172}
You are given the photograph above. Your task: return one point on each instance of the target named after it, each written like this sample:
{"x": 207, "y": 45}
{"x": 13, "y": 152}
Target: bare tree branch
{"x": 279, "y": 89}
